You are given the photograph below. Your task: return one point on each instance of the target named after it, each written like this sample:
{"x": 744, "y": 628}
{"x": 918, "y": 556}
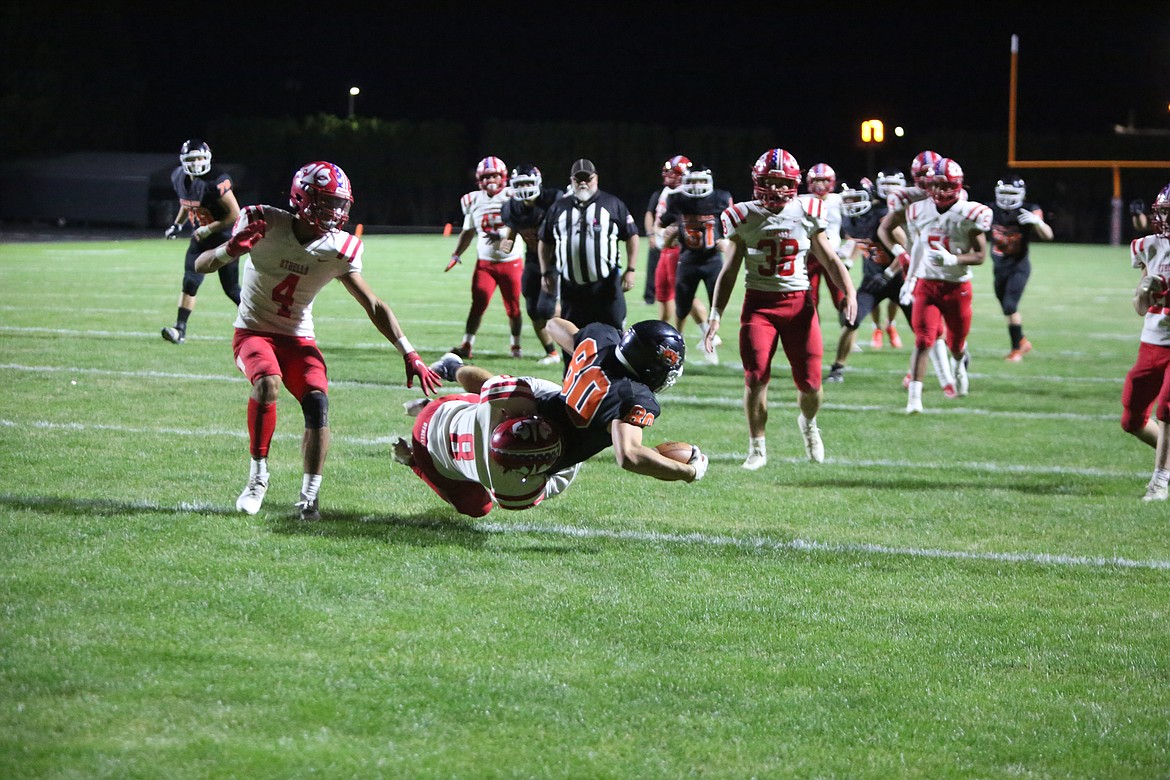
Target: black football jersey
{"x": 699, "y": 226}
{"x": 523, "y": 217}
{"x": 201, "y": 194}
{"x": 863, "y": 229}
{"x": 1009, "y": 239}
{"x": 596, "y": 391}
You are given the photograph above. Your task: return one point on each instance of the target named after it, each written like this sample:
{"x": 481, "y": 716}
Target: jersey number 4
{"x": 283, "y": 294}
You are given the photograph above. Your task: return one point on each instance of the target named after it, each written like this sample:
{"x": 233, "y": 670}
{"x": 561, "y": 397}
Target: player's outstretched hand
{"x": 242, "y": 242}
{"x": 455, "y": 260}
{"x": 173, "y": 231}
{"x": 699, "y": 462}
{"x": 429, "y": 381}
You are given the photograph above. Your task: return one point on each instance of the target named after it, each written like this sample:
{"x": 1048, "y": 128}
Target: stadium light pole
{"x": 353, "y": 93}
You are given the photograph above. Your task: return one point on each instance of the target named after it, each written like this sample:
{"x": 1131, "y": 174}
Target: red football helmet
{"x": 673, "y": 170}
{"x": 921, "y": 167}
{"x": 529, "y": 445}
{"x": 775, "y": 177}
{"x": 492, "y": 175}
{"x": 822, "y": 179}
{"x": 321, "y": 195}
{"x": 946, "y": 182}
{"x": 1160, "y": 212}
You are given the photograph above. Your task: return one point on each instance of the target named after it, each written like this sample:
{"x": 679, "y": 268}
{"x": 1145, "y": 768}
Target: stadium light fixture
{"x": 353, "y": 93}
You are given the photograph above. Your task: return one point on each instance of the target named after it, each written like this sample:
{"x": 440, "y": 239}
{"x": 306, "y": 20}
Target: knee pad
{"x": 191, "y": 282}
{"x": 315, "y": 406}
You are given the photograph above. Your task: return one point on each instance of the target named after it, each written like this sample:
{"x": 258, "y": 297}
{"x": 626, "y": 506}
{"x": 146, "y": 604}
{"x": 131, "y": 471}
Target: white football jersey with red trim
{"x": 282, "y": 276}
{"x": 1152, "y": 253}
{"x": 953, "y": 229}
{"x": 483, "y": 213}
{"x": 776, "y": 243}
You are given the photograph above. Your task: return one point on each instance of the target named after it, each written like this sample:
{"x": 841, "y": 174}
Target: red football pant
{"x": 488, "y": 276}
{"x": 788, "y": 319}
{"x": 936, "y": 302}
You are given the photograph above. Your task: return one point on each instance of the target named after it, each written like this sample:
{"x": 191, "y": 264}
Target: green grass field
{"x": 974, "y": 592}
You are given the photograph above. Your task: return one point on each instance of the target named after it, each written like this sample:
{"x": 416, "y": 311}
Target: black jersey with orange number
{"x": 202, "y": 194}
{"x": 597, "y": 391}
{"x": 1009, "y": 239}
{"x": 699, "y": 226}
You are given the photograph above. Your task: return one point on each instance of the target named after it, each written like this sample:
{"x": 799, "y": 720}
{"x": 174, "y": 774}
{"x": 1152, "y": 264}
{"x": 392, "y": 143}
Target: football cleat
{"x": 549, "y": 359}
{"x": 914, "y": 406}
{"x": 447, "y": 366}
{"x": 756, "y": 460}
{"x": 814, "y": 448}
{"x": 174, "y": 335}
{"x": 962, "y": 381}
{"x": 895, "y": 339}
{"x": 876, "y": 341}
{"x": 836, "y": 373}
{"x": 1016, "y": 355}
{"x": 413, "y": 408}
{"x": 463, "y": 350}
{"x": 252, "y": 498}
{"x": 516, "y": 351}
{"x": 1155, "y": 492}
{"x": 712, "y": 357}
{"x": 308, "y": 509}
{"x": 949, "y": 391}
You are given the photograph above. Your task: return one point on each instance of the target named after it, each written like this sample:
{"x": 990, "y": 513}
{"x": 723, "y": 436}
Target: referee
{"x": 579, "y": 245}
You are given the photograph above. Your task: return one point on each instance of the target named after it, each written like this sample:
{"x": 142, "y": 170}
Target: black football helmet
{"x": 653, "y": 351}
{"x": 698, "y": 181}
{"x": 195, "y": 157}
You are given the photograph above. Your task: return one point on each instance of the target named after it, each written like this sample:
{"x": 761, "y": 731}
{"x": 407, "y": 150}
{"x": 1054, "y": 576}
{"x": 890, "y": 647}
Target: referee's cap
{"x": 583, "y": 166}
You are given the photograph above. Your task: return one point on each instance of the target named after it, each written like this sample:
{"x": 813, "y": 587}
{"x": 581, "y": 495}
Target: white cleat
{"x": 252, "y": 498}
{"x": 962, "y": 381}
{"x": 756, "y": 460}
{"x": 914, "y": 406}
{"x": 814, "y": 448}
{"x": 414, "y": 407}
{"x": 549, "y": 359}
{"x": 1155, "y": 492}
{"x": 711, "y": 357}
{"x": 307, "y": 509}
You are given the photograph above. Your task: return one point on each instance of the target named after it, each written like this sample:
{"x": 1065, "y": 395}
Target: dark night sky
{"x": 168, "y": 73}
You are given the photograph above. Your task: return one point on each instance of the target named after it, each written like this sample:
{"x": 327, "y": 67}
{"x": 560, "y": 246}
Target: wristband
{"x": 714, "y": 315}
{"x": 629, "y": 270}
{"x": 221, "y": 253}
{"x": 897, "y": 249}
{"x": 404, "y": 346}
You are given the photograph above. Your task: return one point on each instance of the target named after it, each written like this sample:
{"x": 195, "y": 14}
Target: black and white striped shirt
{"x": 586, "y": 237}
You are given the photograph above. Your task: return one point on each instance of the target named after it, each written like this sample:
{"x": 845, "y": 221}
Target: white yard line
{"x": 803, "y": 545}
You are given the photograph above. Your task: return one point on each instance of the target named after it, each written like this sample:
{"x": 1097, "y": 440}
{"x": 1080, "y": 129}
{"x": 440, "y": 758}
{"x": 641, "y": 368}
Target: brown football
{"x": 676, "y": 450}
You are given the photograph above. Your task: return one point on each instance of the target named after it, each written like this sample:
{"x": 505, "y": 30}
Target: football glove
{"x": 906, "y": 294}
{"x": 1028, "y": 218}
{"x": 202, "y": 232}
{"x": 455, "y": 260}
{"x": 429, "y": 381}
{"x": 242, "y": 242}
{"x": 1152, "y": 284}
{"x": 173, "y": 231}
{"x": 1137, "y": 206}
{"x": 699, "y": 462}
{"x": 873, "y": 285}
{"x": 940, "y": 255}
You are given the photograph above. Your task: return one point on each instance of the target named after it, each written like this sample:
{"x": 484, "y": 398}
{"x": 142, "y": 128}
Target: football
{"x": 676, "y": 450}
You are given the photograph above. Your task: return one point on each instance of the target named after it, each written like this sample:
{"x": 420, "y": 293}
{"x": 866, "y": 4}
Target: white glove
{"x": 940, "y": 255}
{"x": 699, "y": 462}
{"x": 906, "y": 294}
{"x": 1028, "y": 218}
{"x": 1153, "y": 284}
{"x": 845, "y": 251}
{"x": 202, "y": 232}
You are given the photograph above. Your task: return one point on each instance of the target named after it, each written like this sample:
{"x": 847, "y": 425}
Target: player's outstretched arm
{"x": 632, "y": 455}
{"x": 562, "y": 332}
{"x": 387, "y": 324}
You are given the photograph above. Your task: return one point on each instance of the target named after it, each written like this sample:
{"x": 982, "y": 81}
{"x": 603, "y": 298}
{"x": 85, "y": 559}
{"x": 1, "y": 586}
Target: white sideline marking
{"x": 381, "y": 441}
{"x": 803, "y": 545}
